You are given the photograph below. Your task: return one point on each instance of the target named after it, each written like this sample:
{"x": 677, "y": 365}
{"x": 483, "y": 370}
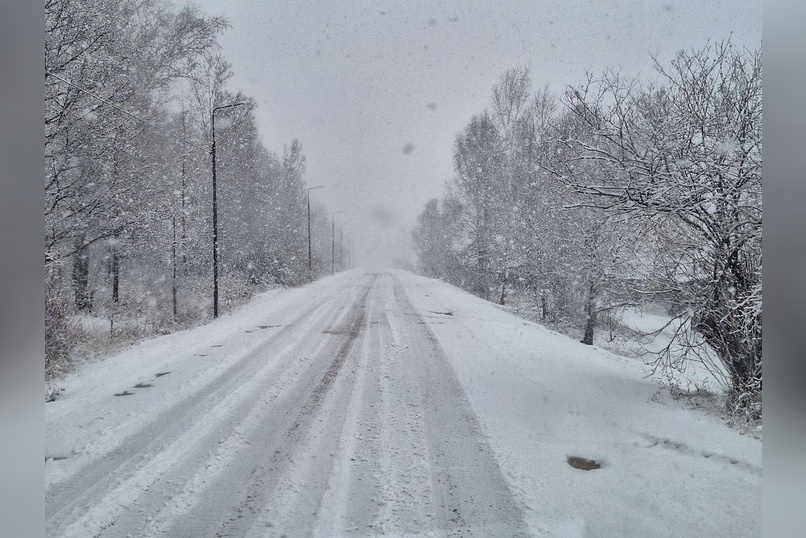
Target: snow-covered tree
{"x": 130, "y": 87}
{"x": 685, "y": 155}
{"x": 479, "y": 186}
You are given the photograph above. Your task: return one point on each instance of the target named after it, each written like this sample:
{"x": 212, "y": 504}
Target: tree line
{"x": 621, "y": 191}
{"x": 130, "y": 91}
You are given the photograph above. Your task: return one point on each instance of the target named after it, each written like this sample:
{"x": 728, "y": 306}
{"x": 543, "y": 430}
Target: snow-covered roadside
{"x": 541, "y": 397}
{"x": 657, "y": 333}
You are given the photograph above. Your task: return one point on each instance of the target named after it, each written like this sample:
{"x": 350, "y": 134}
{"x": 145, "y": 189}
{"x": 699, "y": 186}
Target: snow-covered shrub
{"x": 60, "y": 332}
{"x": 744, "y": 402}
{"x": 235, "y": 289}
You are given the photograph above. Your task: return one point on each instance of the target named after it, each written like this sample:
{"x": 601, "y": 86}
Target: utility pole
{"x": 333, "y": 242}
{"x": 341, "y": 247}
{"x": 215, "y": 209}
{"x": 310, "y": 265}
{"x": 349, "y": 250}
{"x": 341, "y": 244}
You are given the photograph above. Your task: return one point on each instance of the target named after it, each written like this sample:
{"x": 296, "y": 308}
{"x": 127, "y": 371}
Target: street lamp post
{"x": 310, "y": 265}
{"x": 215, "y": 208}
{"x": 333, "y": 242}
{"x": 341, "y": 246}
{"x": 349, "y": 250}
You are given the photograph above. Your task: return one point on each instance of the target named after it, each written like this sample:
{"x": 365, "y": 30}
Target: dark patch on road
{"x": 585, "y": 464}
{"x": 143, "y": 385}
{"x": 160, "y": 374}
{"x": 124, "y": 393}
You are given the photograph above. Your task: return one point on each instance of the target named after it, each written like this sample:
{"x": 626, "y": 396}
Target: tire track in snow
{"x": 400, "y": 453}
{"x": 352, "y": 482}
{"x": 407, "y": 456}
{"x": 470, "y": 494}
{"x": 86, "y": 495}
{"x": 257, "y": 478}
{"x": 371, "y": 434}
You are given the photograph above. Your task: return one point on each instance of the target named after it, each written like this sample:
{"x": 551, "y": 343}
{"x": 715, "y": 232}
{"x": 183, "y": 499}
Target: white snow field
{"x": 385, "y": 404}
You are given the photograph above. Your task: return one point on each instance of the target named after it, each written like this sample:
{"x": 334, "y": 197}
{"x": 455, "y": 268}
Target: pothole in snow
{"x": 585, "y": 464}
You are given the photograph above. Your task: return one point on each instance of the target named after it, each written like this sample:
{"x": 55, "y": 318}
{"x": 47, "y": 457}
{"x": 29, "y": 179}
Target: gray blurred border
{"x": 785, "y": 270}
{"x": 21, "y": 269}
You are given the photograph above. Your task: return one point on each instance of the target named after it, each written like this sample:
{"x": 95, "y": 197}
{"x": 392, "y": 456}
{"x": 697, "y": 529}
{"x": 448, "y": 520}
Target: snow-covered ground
{"x": 654, "y": 333}
{"x": 541, "y": 396}
{"x": 385, "y": 404}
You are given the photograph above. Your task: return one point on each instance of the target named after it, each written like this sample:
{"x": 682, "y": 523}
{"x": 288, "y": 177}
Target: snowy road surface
{"x": 384, "y": 404}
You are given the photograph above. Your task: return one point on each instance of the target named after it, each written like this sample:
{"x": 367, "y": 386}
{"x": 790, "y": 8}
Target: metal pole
{"x": 333, "y": 246}
{"x": 333, "y": 242}
{"x": 349, "y": 250}
{"x": 215, "y": 209}
{"x": 215, "y": 224}
{"x": 310, "y": 265}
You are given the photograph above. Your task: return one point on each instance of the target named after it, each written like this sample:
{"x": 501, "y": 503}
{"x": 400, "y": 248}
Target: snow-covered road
{"x": 384, "y": 404}
{"x": 338, "y": 415}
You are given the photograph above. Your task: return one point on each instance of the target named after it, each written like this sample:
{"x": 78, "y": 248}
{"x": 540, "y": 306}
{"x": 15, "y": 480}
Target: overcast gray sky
{"x": 377, "y": 90}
